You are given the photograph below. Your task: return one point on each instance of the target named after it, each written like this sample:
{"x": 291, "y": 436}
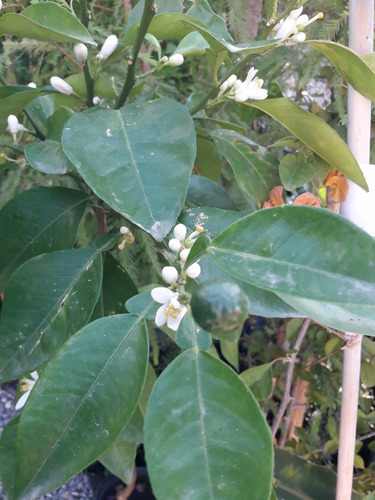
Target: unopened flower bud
{"x": 164, "y": 59}
{"x": 169, "y": 274}
{"x": 81, "y": 52}
{"x": 124, "y": 230}
{"x": 174, "y": 244}
{"x": 109, "y": 46}
{"x": 194, "y": 270}
{"x": 180, "y": 232}
{"x": 13, "y": 124}
{"x": 184, "y": 254}
{"x": 61, "y": 85}
{"x": 32, "y": 85}
{"x": 176, "y": 60}
{"x": 96, "y": 100}
{"x": 299, "y": 37}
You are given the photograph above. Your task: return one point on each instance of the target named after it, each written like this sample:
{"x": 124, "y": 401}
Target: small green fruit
{"x": 220, "y": 307}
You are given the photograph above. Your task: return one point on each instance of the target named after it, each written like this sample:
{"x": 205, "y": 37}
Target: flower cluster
{"x": 172, "y": 311}
{"x": 251, "y": 88}
{"x": 292, "y": 27}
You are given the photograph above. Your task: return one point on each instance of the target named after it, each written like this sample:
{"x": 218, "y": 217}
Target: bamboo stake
{"x": 361, "y": 16}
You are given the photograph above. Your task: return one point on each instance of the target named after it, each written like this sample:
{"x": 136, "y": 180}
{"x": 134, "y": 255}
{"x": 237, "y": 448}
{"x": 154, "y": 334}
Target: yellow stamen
{"x": 172, "y": 311}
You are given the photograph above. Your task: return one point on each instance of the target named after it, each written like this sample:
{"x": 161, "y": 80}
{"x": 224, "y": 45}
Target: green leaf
{"x": 48, "y": 157}
{"x": 254, "y": 176}
{"x": 315, "y": 134}
{"x": 259, "y": 380}
{"x": 149, "y": 167}
{"x": 307, "y": 256}
{"x": 42, "y": 219}
{"x": 119, "y": 459}
{"x": 297, "y": 479}
{"x": 198, "y": 249}
{"x": 293, "y": 175}
{"x": 45, "y": 21}
{"x": 205, "y": 192}
{"x": 202, "y": 11}
{"x": 352, "y": 67}
{"x": 143, "y": 305}
{"x": 57, "y": 121}
{"x": 207, "y": 161}
{"x": 47, "y": 299}
{"x": 192, "y": 44}
{"x": 198, "y": 443}
{"x": 214, "y": 221}
{"x": 8, "y": 456}
{"x": 190, "y": 335}
{"x": 88, "y": 409}
{"x": 117, "y": 288}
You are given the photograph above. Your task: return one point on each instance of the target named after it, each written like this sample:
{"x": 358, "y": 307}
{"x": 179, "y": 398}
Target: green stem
{"x": 149, "y": 11}
{"x": 214, "y": 92}
{"x": 88, "y": 78}
{"x": 38, "y": 133}
{"x": 11, "y": 146}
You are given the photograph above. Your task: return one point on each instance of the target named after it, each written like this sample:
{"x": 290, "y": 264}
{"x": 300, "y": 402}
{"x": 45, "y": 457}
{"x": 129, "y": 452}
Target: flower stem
{"x": 88, "y": 78}
{"x": 149, "y": 11}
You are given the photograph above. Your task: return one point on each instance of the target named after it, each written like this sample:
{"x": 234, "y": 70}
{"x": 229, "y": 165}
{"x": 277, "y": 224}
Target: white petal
{"x": 258, "y": 94}
{"x": 21, "y": 402}
{"x": 250, "y": 75}
{"x": 302, "y": 20}
{"x": 174, "y": 323}
{"x": 286, "y": 29}
{"x": 161, "y": 317}
{"x": 162, "y": 295}
{"x": 194, "y": 270}
{"x": 294, "y": 14}
{"x": 34, "y": 375}
{"x": 169, "y": 274}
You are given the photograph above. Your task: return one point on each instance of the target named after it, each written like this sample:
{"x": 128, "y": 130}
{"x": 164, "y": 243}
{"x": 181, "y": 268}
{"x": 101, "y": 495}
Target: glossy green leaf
{"x": 198, "y": 249}
{"x": 189, "y": 335}
{"x": 297, "y": 479}
{"x": 198, "y": 443}
{"x": 192, "y": 44}
{"x": 87, "y": 410}
{"x": 306, "y": 253}
{"x": 147, "y": 177}
{"x": 316, "y": 134}
{"x": 207, "y": 161}
{"x": 42, "y": 219}
{"x": 61, "y": 291}
{"x": 253, "y": 175}
{"x": 143, "y": 305}
{"x": 57, "y": 121}
{"x": 352, "y": 67}
{"x": 45, "y": 21}
{"x": 259, "y": 380}
{"x": 163, "y": 7}
{"x": 202, "y": 11}
{"x": 293, "y": 175}
{"x": 119, "y": 459}
{"x": 40, "y": 109}
{"x": 205, "y": 192}
{"x": 48, "y": 157}
{"x": 8, "y": 456}
{"x": 214, "y": 221}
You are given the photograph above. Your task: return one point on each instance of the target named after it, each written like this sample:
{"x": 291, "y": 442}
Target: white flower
{"x": 109, "y": 46}
{"x": 194, "y": 270}
{"x": 172, "y": 311}
{"x": 184, "y": 254}
{"x": 286, "y": 28}
{"x": 13, "y": 124}
{"x": 61, "y": 85}
{"x": 169, "y": 274}
{"x": 81, "y": 52}
{"x": 174, "y": 244}
{"x": 176, "y": 60}
{"x": 180, "y": 232}
{"x": 251, "y": 88}
{"x": 32, "y": 85}
{"x": 26, "y": 387}
{"x": 229, "y": 82}
{"x": 293, "y": 24}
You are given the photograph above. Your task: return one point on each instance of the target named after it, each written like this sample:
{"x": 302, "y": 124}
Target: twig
{"x": 288, "y": 377}
{"x": 66, "y": 54}
{"x": 149, "y": 11}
